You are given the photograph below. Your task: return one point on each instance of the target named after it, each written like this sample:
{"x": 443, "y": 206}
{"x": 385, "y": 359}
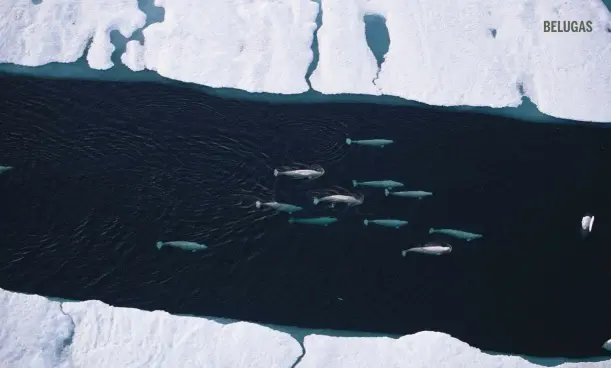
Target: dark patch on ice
{"x": 315, "y": 50}
{"x": 36, "y": 2}
{"x": 609, "y": 28}
{"x": 521, "y": 88}
{"x": 377, "y": 36}
{"x": 492, "y": 32}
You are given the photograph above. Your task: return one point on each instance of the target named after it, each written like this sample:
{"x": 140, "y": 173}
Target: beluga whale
{"x": 313, "y": 172}
{"x": 418, "y": 194}
{"x": 459, "y": 234}
{"x": 381, "y": 143}
{"x": 4, "y": 169}
{"x": 320, "y": 221}
{"x": 387, "y": 184}
{"x": 386, "y": 223}
{"x": 430, "y": 248}
{"x": 186, "y": 245}
{"x": 337, "y": 195}
{"x": 280, "y": 207}
{"x": 587, "y": 222}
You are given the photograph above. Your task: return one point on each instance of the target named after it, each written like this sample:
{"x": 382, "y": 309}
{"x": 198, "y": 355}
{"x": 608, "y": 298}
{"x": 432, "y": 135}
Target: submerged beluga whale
{"x": 281, "y": 207}
{"x": 186, "y": 245}
{"x": 381, "y": 143}
{"x": 4, "y": 169}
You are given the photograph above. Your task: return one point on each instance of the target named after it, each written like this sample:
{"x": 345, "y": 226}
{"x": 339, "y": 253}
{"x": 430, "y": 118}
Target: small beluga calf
{"x": 430, "y": 248}
{"x": 320, "y": 221}
{"x": 386, "y": 223}
{"x": 587, "y": 222}
{"x": 311, "y": 172}
{"x": 280, "y": 207}
{"x": 459, "y": 234}
{"x": 380, "y": 143}
{"x": 386, "y": 184}
{"x": 418, "y": 194}
{"x": 4, "y": 169}
{"x": 186, "y": 245}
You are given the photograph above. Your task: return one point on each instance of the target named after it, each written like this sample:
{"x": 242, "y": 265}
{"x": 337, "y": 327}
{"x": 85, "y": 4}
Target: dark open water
{"x": 104, "y": 170}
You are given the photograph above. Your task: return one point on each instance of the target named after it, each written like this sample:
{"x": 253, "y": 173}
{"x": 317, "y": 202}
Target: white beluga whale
{"x": 607, "y": 345}
{"x": 281, "y": 207}
{"x": 340, "y": 198}
{"x": 186, "y": 245}
{"x": 430, "y": 248}
{"x": 587, "y": 222}
{"x": 381, "y": 143}
{"x": 459, "y": 234}
{"x": 4, "y": 169}
{"x": 314, "y": 172}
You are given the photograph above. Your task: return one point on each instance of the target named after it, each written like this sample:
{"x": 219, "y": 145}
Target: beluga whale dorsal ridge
{"x": 377, "y": 142}
{"x": 186, "y": 245}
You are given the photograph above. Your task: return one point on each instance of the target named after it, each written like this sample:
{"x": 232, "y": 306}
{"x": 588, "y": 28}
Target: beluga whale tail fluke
{"x": 186, "y": 245}
{"x": 378, "y": 142}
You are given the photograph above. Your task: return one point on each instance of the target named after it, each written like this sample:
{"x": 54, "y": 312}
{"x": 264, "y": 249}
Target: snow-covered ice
{"x": 39, "y": 333}
{"x": 257, "y": 46}
{"x": 471, "y": 52}
{"x": 34, "y": 332}
{"x": 59, "y": 30}
{"x": 443, "y": 53}
{"x": 421, "y": 350}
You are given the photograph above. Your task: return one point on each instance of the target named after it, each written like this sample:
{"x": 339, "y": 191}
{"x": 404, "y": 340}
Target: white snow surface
{"x": 441, "y": 52}
{"x": 36, "y": 332}
{"x": 59, "y": 30}
{"x": 425, "y": 349}
{"x": 254, "y": 45}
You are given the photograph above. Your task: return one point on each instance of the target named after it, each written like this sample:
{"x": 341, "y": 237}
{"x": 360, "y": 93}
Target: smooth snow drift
{"x": 472, "y": 52}
{"x": 37, "y": 332}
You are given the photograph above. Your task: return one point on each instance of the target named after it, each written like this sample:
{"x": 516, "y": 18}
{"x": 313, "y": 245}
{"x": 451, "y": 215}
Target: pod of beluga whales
{"x": 391, "y": 188}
